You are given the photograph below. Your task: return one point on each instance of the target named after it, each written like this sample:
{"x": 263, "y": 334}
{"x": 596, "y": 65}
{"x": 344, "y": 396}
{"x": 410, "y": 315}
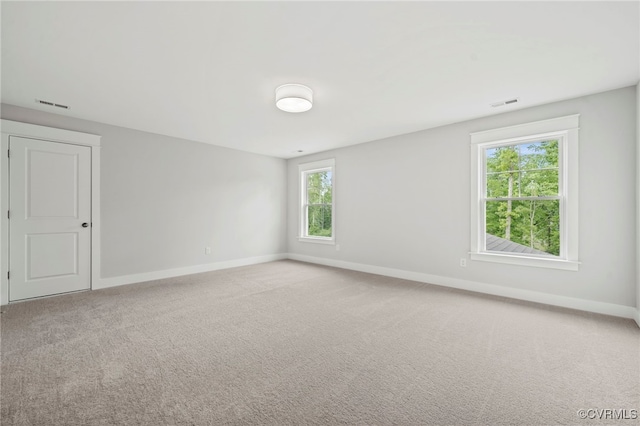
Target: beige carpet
{"x": 289, "y": 343}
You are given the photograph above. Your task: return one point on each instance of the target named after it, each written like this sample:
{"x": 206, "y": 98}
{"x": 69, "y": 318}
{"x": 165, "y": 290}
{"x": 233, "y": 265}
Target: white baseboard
{"x": 177, "y": 272}
{"x": 479, "y": 287}
{"x": 475, "y": 286}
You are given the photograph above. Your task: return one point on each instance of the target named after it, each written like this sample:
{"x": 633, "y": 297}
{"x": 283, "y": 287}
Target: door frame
{"x": 50, "y": 134}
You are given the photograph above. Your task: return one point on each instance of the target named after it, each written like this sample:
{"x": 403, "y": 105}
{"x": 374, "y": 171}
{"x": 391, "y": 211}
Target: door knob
{"x": 84, "y": 225}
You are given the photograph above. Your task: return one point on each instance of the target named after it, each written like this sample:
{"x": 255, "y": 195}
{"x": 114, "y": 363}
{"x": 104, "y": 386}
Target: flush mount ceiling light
{"x": 294, "y": 98}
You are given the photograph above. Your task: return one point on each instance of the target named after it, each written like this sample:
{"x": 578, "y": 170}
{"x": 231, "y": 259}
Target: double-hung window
{"x": 524, "y": 194}
{"x": 317, "y": 182}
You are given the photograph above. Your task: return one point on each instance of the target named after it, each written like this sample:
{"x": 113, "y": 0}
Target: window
{"x": 524, "y": 195}
{"x": 317, "y": 181}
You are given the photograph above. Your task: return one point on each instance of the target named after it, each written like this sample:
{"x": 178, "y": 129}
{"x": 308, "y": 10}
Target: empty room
{"x": 320, "y": 213}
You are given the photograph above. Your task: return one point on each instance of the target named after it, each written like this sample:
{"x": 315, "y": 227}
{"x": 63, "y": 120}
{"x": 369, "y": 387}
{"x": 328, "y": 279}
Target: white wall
{"x": 403, "y": 203}
{"x": 165, "y": 199}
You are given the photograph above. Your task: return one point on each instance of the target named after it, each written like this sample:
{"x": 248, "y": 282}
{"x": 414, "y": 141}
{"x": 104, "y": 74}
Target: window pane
{"x": 538, "y": 155}
{"x": 525, "y": 169}
{"x": 314, "y": 188}
{"x": 319, "y": 187}
{"x": 502, "y": 159}
{"x": 319, "y": 220}
{"x": 531, "y": 227}
{"x": 506, "y": 184}
{"x": 326, "y": 180}
{"x": 538, "y": 183}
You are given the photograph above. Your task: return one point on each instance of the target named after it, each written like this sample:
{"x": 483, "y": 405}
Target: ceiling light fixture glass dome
{"x": 294, "y": 98}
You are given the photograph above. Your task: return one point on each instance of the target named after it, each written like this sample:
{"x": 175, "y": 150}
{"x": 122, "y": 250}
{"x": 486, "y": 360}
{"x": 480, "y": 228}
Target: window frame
{"x": 566, "y": 130}
{"x": 304, "y": 170}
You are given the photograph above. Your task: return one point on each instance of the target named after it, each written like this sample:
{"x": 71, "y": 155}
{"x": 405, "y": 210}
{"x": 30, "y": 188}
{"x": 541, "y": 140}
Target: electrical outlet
{"x": 463, "y": 262}
{"x": 207, "y": 250}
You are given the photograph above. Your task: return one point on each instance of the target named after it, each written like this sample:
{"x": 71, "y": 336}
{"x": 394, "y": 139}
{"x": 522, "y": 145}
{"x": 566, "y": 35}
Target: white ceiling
{"x": 207, "y": 71}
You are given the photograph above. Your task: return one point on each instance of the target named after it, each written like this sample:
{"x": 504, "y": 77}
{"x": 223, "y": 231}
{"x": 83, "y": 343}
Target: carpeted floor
{"x": 289, "y": 343}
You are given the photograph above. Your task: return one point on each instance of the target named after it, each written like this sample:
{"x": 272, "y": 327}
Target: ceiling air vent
{"x": 53, "y": 104}
{"x": 503, "y": 103}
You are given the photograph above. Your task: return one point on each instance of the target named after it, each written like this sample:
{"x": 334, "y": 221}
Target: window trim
{"x": 567, "y": 128}
{"x": 304, "y": 170}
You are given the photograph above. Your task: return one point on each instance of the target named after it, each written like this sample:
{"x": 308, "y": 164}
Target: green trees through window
{"x": 319, "y": 203}
{"x": 522, "y": 202}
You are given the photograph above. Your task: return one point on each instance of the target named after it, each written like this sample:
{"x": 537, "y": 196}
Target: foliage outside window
{"x": 524, "y": 196}
{"x": 317, "y": 207}
{"x": 522, "y": 201}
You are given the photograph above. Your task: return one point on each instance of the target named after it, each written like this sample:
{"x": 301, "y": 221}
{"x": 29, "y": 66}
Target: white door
{"x": 49, "y": 218}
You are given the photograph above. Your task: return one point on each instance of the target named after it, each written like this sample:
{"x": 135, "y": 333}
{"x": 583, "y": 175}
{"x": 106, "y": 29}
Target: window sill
{"x": 538, "y": 262}
{"x": 318, "y": 240}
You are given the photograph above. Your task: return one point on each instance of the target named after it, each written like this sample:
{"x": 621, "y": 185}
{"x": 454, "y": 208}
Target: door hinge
{"x": 8, "y": 274}
{"x": 8, "y": 153}
{"x": 8, "y": 214}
